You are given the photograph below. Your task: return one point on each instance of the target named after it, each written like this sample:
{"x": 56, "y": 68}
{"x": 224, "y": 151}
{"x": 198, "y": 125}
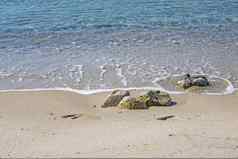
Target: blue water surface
{"x": 76, "y": 15}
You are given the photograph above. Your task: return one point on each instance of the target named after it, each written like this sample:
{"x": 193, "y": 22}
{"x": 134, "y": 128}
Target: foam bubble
{"x": 103, "y": 71}
{"x": 120, "y": 74}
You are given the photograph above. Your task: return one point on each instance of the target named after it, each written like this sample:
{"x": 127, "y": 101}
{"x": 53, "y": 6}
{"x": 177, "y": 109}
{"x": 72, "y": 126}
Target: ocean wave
{"x": 229, "y": 90}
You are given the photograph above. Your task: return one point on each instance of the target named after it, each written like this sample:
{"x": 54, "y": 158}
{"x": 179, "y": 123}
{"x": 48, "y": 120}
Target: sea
{"x": 107, "y": 44}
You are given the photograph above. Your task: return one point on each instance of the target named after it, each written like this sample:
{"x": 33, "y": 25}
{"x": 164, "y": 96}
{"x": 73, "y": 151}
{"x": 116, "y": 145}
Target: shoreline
{"x": 230, "y": 90}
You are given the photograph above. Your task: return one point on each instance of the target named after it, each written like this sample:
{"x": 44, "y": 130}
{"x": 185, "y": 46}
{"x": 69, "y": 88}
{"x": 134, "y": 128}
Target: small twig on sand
{"x": 76, "y": 116}
{"x": 68, "y": 116}
{"x": 165, "y": 117}
{"x": 72, "y": 116}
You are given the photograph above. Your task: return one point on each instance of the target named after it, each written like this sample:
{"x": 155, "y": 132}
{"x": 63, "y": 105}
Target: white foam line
{"x": 229, "y": 89}
{"x": 90, "y": 92}
{"x": 85, "y": 92}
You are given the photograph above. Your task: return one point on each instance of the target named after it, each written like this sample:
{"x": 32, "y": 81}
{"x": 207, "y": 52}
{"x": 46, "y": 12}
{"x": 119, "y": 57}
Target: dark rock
{"x": 190, "y": 81}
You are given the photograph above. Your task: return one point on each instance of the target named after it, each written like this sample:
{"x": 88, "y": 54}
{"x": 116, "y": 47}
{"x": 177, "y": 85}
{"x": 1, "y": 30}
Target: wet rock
{"x": 190, "y": 81}
{"x": 133, "y": 103}
{"x": 185, "y": 83}
{"x": 115, "y": 98}
{"x": 201, "y": 81}
{"x": 158, "y": 98}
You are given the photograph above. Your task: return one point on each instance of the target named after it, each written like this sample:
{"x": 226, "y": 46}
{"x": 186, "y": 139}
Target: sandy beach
{"x": 60, "y": 59}
{"x": 32, "y": 125}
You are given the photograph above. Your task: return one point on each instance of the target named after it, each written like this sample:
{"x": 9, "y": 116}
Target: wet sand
{"x": 34, "y": 124}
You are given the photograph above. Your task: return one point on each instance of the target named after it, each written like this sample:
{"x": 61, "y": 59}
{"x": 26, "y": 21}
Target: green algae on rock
{"x": 133, "y": 103}
{"x": 158, "y": 98}
{"x": 151, "y": 98}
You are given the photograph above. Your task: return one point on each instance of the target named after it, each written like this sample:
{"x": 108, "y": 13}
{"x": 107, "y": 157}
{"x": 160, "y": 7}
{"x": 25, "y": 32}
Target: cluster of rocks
{"x": 123, "y": 99}
{"x": 190, "y": 81}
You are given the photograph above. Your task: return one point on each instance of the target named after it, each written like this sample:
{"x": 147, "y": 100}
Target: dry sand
{"x": 31, "y": 125}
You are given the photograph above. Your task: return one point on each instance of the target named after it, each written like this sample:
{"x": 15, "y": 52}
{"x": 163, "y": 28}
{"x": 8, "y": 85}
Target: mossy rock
{"x": 151, "y": 98}
{"x": 133, "y": 103}
{"x": 158, "y": 98}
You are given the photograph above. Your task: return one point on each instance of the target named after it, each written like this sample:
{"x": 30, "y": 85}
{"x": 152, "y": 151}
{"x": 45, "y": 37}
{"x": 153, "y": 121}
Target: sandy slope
{"x": 31, "y": 126}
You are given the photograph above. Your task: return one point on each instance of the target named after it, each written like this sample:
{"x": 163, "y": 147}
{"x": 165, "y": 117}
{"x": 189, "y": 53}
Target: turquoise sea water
{"x": 97, "y": 44}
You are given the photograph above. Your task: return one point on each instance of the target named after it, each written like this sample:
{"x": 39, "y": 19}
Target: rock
{"x": 133, "y": 103}
{"x": 115, "y": 98}
{"x": 158, "y": 98}
{"x": 190, "y": 81}
{"x": 151, "y": 98}
{"x": 186, "y": 82}
{"x": 200, "y": 81}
